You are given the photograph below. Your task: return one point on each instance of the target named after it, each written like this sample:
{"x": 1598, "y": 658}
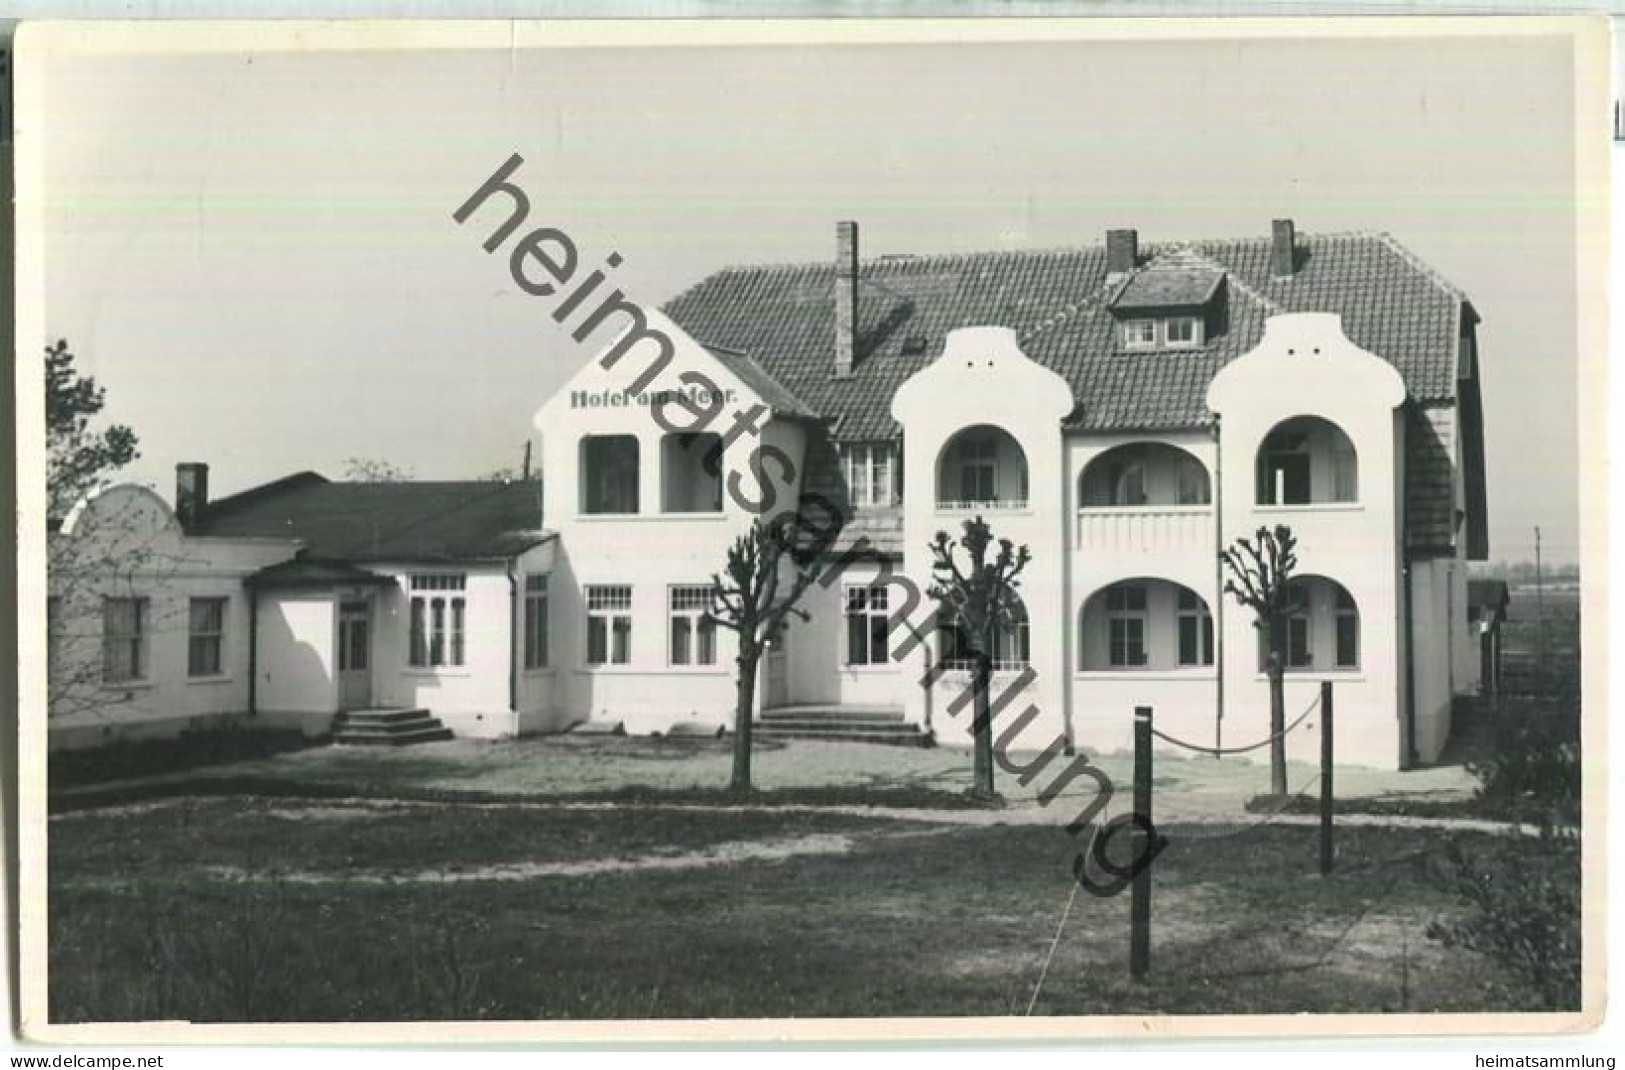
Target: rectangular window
{"x": 1195, "y": 631}
{"x": 535, "y": 622}
{"x": 437, "y": 620}
{"x": 868, "y": 623}
{"x": 1299, "y": 654}
{"x": 693, "y": 632}
{"x": 870, "y": 479}
{"x": 609, "y": 625}
{"x": 124, "y": 639}
{"x": 1140, "y": 334}
{"x": 1193, "y": 487}
{"x": 1348, "y": 632}
{"x": 1125, "y": 623}
{"x": 1344, "y": 476}
{"x": 207, "y": 626}
{"x": 1127, "y": 641}
{"x": 1182, "y": 331}
{"x": 979, "y": 469}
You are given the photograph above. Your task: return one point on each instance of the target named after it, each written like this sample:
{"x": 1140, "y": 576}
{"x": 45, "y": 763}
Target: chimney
{"x": 191, "y": 493}
{"x": 1122, "y": 253}
{"x": 846, "y": 298}
{"x": 1283, "y": 249}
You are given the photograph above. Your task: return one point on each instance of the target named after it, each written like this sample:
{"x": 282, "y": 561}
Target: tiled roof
{"x": 407, "y": 522}
{"x": 770, "y": 390}
{"x": 1060, "y": 304}
{"x": 782, "y": 317}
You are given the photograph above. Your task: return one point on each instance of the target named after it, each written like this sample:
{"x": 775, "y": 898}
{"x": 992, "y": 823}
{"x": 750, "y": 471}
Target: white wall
{"x": 125, "y": 542}
{"x": 652, "y": 551}
{"x": 297, "y": 684}
{"x": 1305, "y": 366}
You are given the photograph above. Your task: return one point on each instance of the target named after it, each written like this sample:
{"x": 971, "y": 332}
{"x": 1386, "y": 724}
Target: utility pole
{"x": 525, "y": 470}
{"x": 1540, "y": 602}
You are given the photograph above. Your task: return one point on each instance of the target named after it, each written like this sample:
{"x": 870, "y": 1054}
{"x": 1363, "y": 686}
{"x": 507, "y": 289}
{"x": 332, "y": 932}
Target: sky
{"x": 254, "y": 253}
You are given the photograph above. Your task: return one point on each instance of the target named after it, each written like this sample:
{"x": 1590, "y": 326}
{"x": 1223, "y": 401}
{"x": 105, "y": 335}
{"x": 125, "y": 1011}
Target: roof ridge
{"x": 1271, "y": 305}
{"x": 1061, "y": 317}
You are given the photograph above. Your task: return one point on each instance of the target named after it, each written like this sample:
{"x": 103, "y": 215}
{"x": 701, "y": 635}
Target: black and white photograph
{"x": 787, "y": 528}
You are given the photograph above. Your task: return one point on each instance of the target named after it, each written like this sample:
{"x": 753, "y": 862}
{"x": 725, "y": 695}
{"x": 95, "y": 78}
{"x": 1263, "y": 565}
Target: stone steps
{"x": 847, "y": 724}
{"x": 388, "y": 728}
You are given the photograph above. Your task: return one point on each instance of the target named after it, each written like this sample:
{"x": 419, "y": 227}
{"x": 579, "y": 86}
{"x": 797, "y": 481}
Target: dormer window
{"x": 1182, "y": 331}
{"x": 1171, "y": 332}
{"x": 1140, "y": 334}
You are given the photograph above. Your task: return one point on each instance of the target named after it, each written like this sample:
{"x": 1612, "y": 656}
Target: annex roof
{"x": 467, "y": 520}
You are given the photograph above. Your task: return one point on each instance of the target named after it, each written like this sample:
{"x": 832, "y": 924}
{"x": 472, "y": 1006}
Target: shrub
{"x": 1531, "y": 764}
{"x": 1525, "y": 892}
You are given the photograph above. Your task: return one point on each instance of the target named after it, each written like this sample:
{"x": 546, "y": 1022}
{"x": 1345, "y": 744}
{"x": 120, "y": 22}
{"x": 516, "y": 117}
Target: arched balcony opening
{"x": 691, "y": 473}
{"x": 982, "y": 467}
{"x": 1307, "y": 460}
{"x": 1322, "y": 629}
{"x": 1144, "y": 474}
{"x": 609, "y": 474}
{"x": 1012, "y": 643}
{"x": 1145, "y": 625}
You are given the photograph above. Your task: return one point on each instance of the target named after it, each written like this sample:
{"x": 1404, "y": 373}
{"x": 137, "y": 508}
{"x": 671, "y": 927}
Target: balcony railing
{"x": 1002, "y": 505}
{"x": 1146, "y": 528}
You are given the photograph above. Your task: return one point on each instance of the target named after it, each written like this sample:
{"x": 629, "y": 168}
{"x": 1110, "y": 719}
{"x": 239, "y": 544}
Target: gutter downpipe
{"x": 1218, "y": 582}
{"x": 253, "y": 651}
{"x": 1409, "y": 756}
{"x": 513, "y": 645}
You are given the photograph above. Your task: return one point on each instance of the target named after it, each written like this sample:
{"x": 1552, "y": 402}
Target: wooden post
{"x": 1325, "y": 778}
{"x": 1139, "y": 948}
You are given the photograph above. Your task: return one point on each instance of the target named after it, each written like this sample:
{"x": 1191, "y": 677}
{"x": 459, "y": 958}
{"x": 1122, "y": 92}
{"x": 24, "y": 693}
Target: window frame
{"x": 1128, "y": 611}
{"x": 1190, "y": 609}
{"x": 869, "y": 603}
{"x": 436, "y": 621}
{"x": 138, "y": 638}
{"x": 701, "y": 628}
{"x": 536, "y": 653}
{"x": 1149, "y": 341}
{"x": 217, "y": 636}
{"x": 591, "y": 490}
{"x": 870, "y": 467}
{"x": 612, "y": 617}
{"x": 1196, "y": 332}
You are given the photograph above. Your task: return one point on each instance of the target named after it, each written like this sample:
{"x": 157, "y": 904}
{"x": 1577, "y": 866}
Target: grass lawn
{"x": 793, "y": 771}
{"x": 255, "y": 909}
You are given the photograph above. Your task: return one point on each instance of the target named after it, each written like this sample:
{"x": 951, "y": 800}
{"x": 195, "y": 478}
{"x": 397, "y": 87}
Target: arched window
{"x": 1012, "y": 644}
{"x": 1144, "y": 474}
{"x": 1307, "y": 461}
{"x": 609, "y": 474}
{"x": 691, "y": 473}
{"x": 1322, "y": 630}
{"x": 982, "y": 467}
{"x": 1145, "y": 625}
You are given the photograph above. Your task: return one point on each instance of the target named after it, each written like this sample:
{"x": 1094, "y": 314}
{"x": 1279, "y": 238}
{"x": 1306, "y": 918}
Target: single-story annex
{"x": 1124, "y": 410}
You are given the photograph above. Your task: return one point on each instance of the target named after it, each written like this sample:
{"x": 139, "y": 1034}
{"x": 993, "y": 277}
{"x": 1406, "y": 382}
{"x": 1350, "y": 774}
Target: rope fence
{"x": 1266, "y": 741}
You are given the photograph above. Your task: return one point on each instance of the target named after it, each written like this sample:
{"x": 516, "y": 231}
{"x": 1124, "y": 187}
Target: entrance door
{"x": 778, "y": 676}
{"x": 355, "y": 655}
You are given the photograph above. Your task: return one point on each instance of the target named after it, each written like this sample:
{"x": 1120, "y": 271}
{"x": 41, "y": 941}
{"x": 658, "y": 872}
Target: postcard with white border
{"x": 814, "y": 530}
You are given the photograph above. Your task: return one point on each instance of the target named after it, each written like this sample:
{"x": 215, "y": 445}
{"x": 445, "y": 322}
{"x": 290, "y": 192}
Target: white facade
{"x": 1194, "y": 657}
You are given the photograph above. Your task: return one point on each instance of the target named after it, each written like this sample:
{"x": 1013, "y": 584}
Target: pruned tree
{"x": 753, "y": 597}
{"x": 1261, "y": 580}
{"x": 981, "y": 597}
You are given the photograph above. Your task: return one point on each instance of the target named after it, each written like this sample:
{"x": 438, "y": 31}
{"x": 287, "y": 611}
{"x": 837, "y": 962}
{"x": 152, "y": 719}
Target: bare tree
{"x": 753, "y": 596}
{"x": 374, "y": 470}
{"x": 1261, "y": 579}
{"x": 95, "y": 550}
{"x": 982, "y": 599}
